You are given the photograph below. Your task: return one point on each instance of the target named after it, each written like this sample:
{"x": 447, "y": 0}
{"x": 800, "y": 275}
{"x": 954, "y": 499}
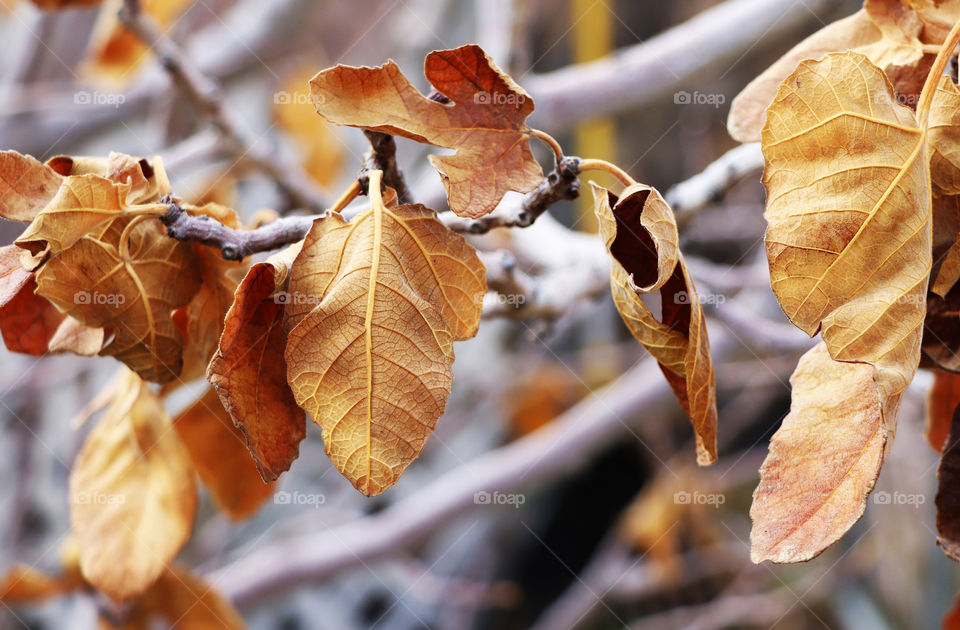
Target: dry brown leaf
{"x": 375, "y": 307}
{"x": 132, "y": 494}
{"x": 485, "y": 123}
{"x": 849, "y": 249}
{"x": 201, "y": 321}
{"x": 26, "y": 186}
{"x": 948, "y": 491}
{"x": 943, "y": 398}
{"x": 848, "y": 238}
{"x": 923, "y": 21}
{"x": 127, "y": 277}
{"x": 946, "y": 244}
{"x": 219, "y": 453}
{"x": 25, "y": 584}
{"x": 951, "y": 621}
{"x": 944, "y": 138}
{"x": 941, "y": 333}
{"x": 30, "y": 323}
{"x": 823, "y": 460}
{"x": 895, "y": 52}
{"x": 59, "y": 5}
{"x": 249, "y": 370}
{"x": 640, "y": 234}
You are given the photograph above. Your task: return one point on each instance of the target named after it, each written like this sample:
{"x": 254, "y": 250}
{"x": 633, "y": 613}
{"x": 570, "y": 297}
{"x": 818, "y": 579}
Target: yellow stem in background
{"x": 613, "y": 169}
{"x": 348, "y": 195}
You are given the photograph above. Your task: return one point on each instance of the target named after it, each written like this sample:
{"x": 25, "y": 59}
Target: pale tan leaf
{"x": 375, "y": 307}
{"x": 823, "y": 460}
{"x": 26, "y": 186}
{"x": 219, "y": 453}
{"x": 250, "y": 373}
{"x": 892, "y": 50}
{"x": 944, "y": 138}
{"x": 849, "y": 221}
{"x": 640, "y": 233}
{"x": 132, "y": 495}
{"x": 485, "y": 123}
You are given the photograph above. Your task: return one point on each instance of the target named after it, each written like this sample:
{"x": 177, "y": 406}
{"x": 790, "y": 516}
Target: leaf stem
{"x": 936, "y": 71}
{"x": 613, "y": 169}
{"x": 550, "y": 141}
{"x": 348, "y": 195}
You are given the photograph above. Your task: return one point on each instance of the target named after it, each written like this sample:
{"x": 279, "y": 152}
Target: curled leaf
{"x": 640, "y": 233}
{"x": 375, "y": 306}
{"x": 249, "y": 370}
{"x": 26, "y": 186}
{"x": 484, "y": 124}
{"x": 132, "y": 495}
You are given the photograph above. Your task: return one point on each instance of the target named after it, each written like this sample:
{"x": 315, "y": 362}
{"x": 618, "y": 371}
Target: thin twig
{"x": 208, "y": 99}
{"x": 383, "y": 157}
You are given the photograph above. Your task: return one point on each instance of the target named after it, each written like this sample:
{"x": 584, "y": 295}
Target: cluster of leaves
{"x": 353, "y": 325}
{"x": 859, "y": 128}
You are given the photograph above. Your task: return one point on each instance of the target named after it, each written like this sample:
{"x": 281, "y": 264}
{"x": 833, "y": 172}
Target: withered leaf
{"x": 823, "y": 460}
{"x": 127, "y": 277}
{"x": 941, "y": 334}
{"x": 889, "y": 48}
{"x": 948, "y": 491}
{"x": 640, "y": 233}
{"x": 922, "y": 21}
{"x": 220, "y": 455}
{"x": 250, "y": 373}
{"x": 29, "y": 323}
{"x": 485, "y": 123}
{"x": 944, "y": 138}
{"x": 26, "y": 186}
{"x": 848, "y": 239}
{"x": 188, "y": 602}
{"x": 943, "y": 398}
{"x": 132, "y": 494}
{"x": 375, "y": 307}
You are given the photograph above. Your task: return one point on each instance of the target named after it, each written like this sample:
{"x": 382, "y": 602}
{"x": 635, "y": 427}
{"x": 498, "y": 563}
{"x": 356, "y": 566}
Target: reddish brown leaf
{"x": 948, "y": 491}
{"x": 942, "y": 400}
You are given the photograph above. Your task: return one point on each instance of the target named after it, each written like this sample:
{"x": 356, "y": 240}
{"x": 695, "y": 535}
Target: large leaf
{"x": 849, "y": 247}
{"x": 640, "y": 233}
{"x": 127, "y": 277}
{"x": 823, "y": 460}
{"x": 220, "y": 455}
{"x": 375, "y": 306}
{"x": 485, "y": 123}
{"x": 250, "y": 373}
{"x": 132, "y": 494}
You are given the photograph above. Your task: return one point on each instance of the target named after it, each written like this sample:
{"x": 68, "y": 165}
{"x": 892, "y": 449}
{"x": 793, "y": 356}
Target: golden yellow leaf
{"x": 823, "y": 460}
{"x": 889, "y": 48}
{"x": 132, "y": 494}
{"x": 849, "y": 219}
{"x": 127, "y": 277}
{"x": 26, "y": 186}
{"x": 249, "y": 370}
{"x": 640, "y": 233}
{"x": 321, "y": 152}
{"x": 485, "y": 123}
{"x": 188, "y": 602}
{"x": 220, "y": 455}
{"x": 375, "y": 306}
{"x": 116, "y": 53}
